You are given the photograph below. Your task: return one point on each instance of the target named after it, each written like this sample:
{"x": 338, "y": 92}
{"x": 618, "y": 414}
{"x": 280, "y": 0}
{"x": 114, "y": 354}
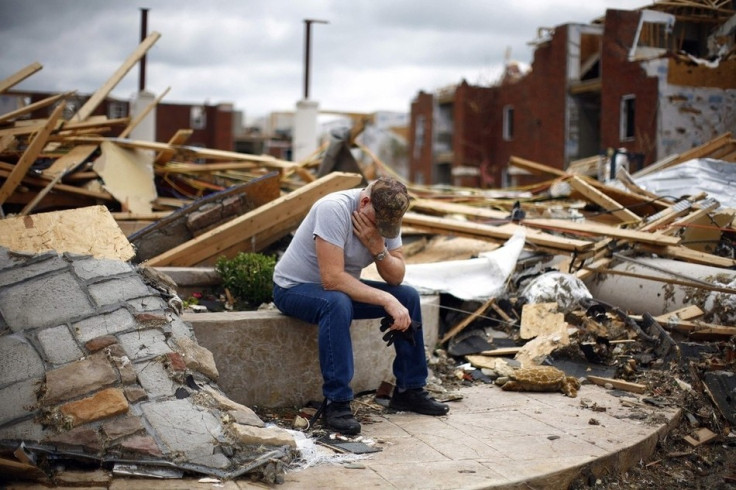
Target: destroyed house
{"x": 212, "y": 126}
{"x": 645, "y": 83}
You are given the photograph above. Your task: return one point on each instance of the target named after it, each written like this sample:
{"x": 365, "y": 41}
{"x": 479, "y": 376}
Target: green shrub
{"x": 248, "y": 277}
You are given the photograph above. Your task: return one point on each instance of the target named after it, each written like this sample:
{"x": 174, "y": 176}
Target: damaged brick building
{"x": 648, "y": 83}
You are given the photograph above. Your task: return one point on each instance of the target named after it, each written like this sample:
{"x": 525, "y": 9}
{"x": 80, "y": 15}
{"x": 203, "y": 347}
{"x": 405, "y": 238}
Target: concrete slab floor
{"x": 490, "y": 439}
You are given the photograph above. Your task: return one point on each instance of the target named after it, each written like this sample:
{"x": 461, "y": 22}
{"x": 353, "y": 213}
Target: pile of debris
{"x": 609, "y": 275}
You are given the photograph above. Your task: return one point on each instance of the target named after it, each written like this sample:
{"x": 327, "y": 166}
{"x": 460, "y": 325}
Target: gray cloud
{"x": 373, "y": 54}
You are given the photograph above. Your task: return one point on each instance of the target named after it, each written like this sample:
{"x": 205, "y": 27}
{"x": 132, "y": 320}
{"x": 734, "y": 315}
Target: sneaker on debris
{"x": 417, "y": 400}
{"x": 339, "y": 418}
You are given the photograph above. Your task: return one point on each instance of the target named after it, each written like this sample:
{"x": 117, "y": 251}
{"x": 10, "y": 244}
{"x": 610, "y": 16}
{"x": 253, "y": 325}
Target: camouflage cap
{"x": 390, "y": 201}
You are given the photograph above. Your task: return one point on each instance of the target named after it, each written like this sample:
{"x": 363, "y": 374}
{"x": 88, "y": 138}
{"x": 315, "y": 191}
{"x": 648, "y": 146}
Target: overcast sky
{"x": 372, "y": 55}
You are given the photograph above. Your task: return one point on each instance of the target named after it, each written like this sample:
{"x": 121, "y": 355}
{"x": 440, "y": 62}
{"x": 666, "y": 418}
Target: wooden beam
{"x": 243, "y": 228}
{"x": 180, "y": 137}
{"x": 19, "y": 76}
{"x": 447, "y": 226}
{"x": 467, "y": 321}
{"x": 89, "y": 107}
{"x": 698, "y": 152}
{"x": 618, "y": 384}
{"x": 77, "y": 155}
{"x": 536, "y": 168}
{"x": 30, "y": 155}
{"x": 584, "y": 228}
{"x": 8, "y": 116}
{"x": 598, "y": 197}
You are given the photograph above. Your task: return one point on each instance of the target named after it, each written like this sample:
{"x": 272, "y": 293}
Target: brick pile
{"x": 95, "y": 363}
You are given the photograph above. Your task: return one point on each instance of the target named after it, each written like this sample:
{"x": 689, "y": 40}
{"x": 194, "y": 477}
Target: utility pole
{"x": 304, "y": 139}
{"x": 307, "y": 51}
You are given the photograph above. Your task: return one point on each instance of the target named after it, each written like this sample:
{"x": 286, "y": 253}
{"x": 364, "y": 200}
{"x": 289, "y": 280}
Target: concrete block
{"x": 91, "y": 268}
{"x": 144, "y": 343}
{"x": 253, "y": 349}
{"x": 18, "y": 400}
{"x": 184, "y": 428}
{"x": 148, "y": 303}
{"x": 28, "y": 430}
{"x": 32, "y": 269}
{"x": 46, "y": 301}
{"x": 116, "y": 290}
{"x": 18, "y": 360}
{"x": 154, "y": 378}
{"x": 117, "y": 321}
{"x": 58, "y": 344}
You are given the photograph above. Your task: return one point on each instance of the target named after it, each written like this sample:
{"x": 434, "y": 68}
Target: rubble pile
{"x": 616, "y": 285}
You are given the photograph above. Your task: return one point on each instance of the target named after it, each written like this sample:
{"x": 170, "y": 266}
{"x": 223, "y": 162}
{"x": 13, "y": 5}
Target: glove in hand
{"x": 391, "y": 335}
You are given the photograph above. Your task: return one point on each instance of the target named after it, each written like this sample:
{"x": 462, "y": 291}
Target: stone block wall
{"x": 94, "y": 361}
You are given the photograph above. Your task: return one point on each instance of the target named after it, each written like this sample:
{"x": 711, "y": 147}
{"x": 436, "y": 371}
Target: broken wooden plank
{"x": 536, "y": 168}
{"x": 619, "y": 384}
{"x": 698, "y": 152}
{"x": 502, "y": 352}
{"x": 601, "y": 199}
{"x": 86, "y": 231}
{"x": 75, "y": 157}
{"x": 179, "y": 138}
{"x": 701, "y": 436}
{"x": 19, "y": 76}
{"x": 242, "y": 229}
{"x": 467, "y": 321}
{"x": 6, "y": 169}
{"x": 99, "y": 96}
{"x": 29, "y": 156}
{"x": 9, "y": 116}
{"x": 689, "y": 255}
{"x": 501, "y": 233}
{"x": 217, "y": 208}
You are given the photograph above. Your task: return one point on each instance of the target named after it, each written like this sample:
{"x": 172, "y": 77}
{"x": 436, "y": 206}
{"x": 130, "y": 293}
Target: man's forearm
{"x": 392, "y": 267}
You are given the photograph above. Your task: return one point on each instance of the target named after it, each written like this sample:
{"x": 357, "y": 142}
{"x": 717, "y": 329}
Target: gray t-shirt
{"x": 331, "y": 219}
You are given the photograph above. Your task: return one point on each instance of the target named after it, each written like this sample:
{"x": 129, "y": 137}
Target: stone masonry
{"x": 95, "y": 363}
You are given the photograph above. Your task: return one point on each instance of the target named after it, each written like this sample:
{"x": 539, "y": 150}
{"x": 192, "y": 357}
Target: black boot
{"x": 339, "y": 418}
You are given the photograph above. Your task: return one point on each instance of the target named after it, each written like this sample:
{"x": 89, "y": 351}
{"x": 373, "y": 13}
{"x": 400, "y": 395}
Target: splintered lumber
{"x": 29, "y": 156}
{"x": 32, "y": 107}
{"x": 73, "y": 158}
{"x": 202, "y": 215}
{"x": 467, "y": 321}
{"x": 499, "y": 233}
{"x": 179, "y": 138}
{"x": 701, "y": 151}
{"x": 19, "y": 76}
{"x": 99, "y": 96}
{"x": 536, "y": 168}
{"x": 236, "y": 234}
{"x": 85, "y": 231}
{"x": 689, "y": 255}
{"x": 618, "y": 384}
{"x": 604, "y": 201}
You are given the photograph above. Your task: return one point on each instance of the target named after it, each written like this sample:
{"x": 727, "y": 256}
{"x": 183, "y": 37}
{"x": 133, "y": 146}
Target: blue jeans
{"x": 333, "y": 312}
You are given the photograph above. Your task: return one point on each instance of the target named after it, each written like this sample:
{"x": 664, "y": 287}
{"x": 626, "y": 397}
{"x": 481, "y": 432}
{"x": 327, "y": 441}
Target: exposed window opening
{"x": 508, "y": 123}
{"x": 197, "y": 117}
{"x": 628, "y": 117}
{"x": 117, "y": 109}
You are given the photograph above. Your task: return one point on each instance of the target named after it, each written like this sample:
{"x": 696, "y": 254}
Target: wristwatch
{"x": 380, "y": 255}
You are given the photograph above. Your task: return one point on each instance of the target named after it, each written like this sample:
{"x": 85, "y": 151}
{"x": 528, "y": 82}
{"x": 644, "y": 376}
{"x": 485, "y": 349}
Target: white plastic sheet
{"x": 716, "y": 177}
{"x": 472, "y": 279}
